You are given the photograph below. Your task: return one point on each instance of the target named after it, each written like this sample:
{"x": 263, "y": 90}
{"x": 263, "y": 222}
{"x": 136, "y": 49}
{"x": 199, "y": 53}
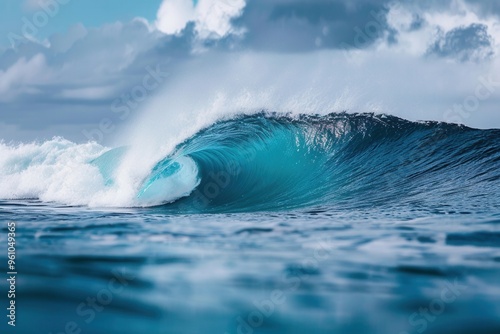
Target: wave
{"x": 270, "y": 161}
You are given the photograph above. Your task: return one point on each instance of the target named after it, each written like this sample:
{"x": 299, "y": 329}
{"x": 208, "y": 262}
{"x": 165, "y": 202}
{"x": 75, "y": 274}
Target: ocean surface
{"x": 264, "y": 223}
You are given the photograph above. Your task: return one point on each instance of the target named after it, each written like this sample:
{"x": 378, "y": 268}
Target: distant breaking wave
{"x": 268, "y": 162}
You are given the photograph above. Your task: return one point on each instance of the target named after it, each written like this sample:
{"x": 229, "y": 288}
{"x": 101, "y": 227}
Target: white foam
{"x": 61, "y": 171}
{"x": 55, "y": 170}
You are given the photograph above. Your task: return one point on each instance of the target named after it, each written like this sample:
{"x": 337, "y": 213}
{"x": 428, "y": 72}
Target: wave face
{"x": 279, "y": 162}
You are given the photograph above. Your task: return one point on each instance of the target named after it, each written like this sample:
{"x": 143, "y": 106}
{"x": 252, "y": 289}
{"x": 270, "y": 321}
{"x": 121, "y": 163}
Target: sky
{"x": 90, "y": 70}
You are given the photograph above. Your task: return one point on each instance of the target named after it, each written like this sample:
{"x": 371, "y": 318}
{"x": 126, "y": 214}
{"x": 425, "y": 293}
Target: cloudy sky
{"x": 84, "y": 69}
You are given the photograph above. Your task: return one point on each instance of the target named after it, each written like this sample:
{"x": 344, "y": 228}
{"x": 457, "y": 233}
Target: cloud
{"x": 450, "y": 29}
{"x": 25, "y": 76}
{"x": 486, "y": 8}
{"x": 70, "y": 81}
{"x": 174, "y": 15}
{"x": 63, "y": 42}
{"x": 75, "y": 78}
{"x": 212, "y": 18}
{"x": 464, "y": 43}
{"x": 291, "y": 25}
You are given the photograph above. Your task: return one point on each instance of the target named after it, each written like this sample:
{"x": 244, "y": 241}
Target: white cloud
{"x": 435, "y": 22}
{"x": 23, "y": 77}
{"x": 174, "y": 15}
{"x": 212, "y": 18}
{"x": 63, "y": 42}
{"x": 75, "y": 77}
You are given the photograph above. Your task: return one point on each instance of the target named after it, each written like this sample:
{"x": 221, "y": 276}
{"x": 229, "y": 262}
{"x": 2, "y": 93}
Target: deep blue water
{"x": 333, "y": 224}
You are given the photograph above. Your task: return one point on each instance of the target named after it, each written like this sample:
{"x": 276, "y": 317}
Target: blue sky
{"x": 90, "y": 13}
{"x": 91, "y": 62}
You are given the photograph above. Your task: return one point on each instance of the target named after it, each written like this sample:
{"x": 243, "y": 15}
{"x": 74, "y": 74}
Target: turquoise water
{"x": 311, "y": 271}
{"x": 332, "y": 224}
